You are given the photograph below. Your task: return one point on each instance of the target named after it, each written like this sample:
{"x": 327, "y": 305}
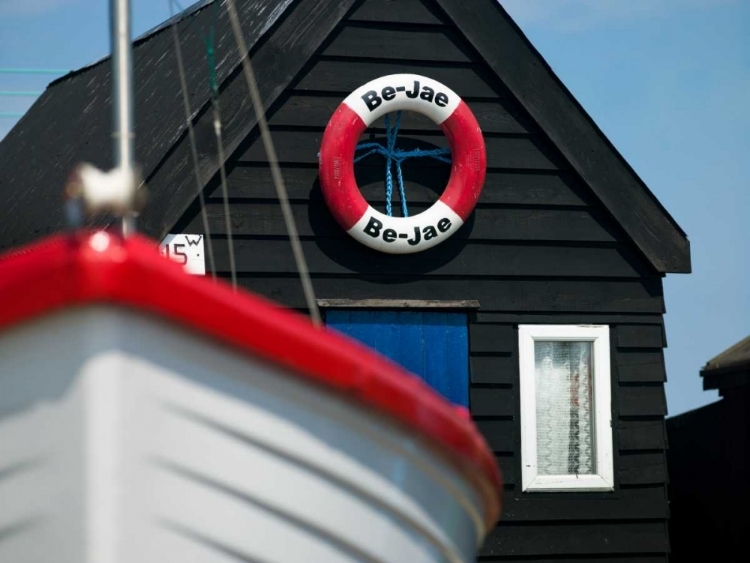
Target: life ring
{"x": 402, "y": 235}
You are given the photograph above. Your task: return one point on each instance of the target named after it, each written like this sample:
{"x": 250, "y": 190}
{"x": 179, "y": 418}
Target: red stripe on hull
{"x": 69, "y": 271}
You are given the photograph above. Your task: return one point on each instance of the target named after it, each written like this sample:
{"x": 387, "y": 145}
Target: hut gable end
{"x": 540, "y": 248}
{"x": 558, "y": 236}
{"x": 456, "y": 46}
{"x": 456, "y": 42}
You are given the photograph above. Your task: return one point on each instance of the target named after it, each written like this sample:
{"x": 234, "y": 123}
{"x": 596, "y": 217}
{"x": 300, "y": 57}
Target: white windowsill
{"x": 603, "y": 479}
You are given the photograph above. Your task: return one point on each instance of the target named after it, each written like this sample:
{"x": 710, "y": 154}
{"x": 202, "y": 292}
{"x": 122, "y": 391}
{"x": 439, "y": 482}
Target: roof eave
{"x": 526, "y": 74}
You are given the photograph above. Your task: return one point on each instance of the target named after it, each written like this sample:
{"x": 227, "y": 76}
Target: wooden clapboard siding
{"x": 644, "y": 502}
{"x": 562, "y": 318}
{"x": 265, "y": 219}
{"x": 539, "y": 248}
{"x": 637, "y": 468}
{"x": 495, "y": 369}
{"x": 642, "y": 467}
{"x": 494, "y": 293}
{"x": 451, "y": 258}
{"x": 639, "y": 558}
{"x": 641, "y": 366}
{"x": 301, "y": 147}
{"x": 413, "y": 43}
{"x": 487, "y": 400}
{"x": 632, "y": 435}
{"x": 641, "y": 336}
{"x": 593, "y": 537}
{"x": 544, "y": 189}
{"x": 342, "y": 77}
{"x": 410, "y": 11}
{"x": 493, "y": 116}
{"x": 499, "y": 432}
{"x": 644, "y": 433}
{"x": 506, "y": 463}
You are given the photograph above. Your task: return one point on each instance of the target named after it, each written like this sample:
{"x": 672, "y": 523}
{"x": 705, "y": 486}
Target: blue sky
{"x": 668, "y": 81}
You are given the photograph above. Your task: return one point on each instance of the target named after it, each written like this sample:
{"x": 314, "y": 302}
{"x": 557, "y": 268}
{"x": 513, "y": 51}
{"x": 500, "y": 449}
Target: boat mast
{"x": 123, "y": 134}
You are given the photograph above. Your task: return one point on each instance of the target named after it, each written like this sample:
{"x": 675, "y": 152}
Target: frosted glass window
{"x": 564, "y": 432}
{"x": 566, "y": 408}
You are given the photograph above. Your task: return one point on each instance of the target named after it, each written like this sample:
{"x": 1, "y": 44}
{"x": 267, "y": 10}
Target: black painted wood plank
{"x": 507, "y": 51}
{"x": 344, "y": 76}
{"x": 493, "y": 294}
{"x": 499, "y": 434}
{"x": 422, "y": 184}
{"x": 500, "y": 370}
{"x": 510, "y": 153}
{"x": 415, "y": 44}
{"x": 315, "y": 219}
{"x": 634, "y": 436}
{"x": 635, "y": 468}
{"x": 530, "y": 188}
{"x": 578, "y": 318}
{"x": 595, "y": 538}
{"x": 492, "y": 338}
{"x": 642, "y": 434}
{"x": 492, "y": 402}
{"x": 638, "y": 462}
{"x": 636, "y": 366}
{"x": 276, "y": 62}
{"x": 507, "y": 465}
{"x": 637, "y": 503}
{"x": 453, "y": 257}
{"x": 464, "y": 306}
{"x": 304, "y": 110}
{"x": 640, "y": 336}
{"x": 401, "y": 11}
{"x": 642, "y": 400}
{"x": 501, "y": 402}
{"x": 643, "y": 468}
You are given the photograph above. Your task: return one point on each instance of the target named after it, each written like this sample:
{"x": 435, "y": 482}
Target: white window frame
{"x": 603, "y": 479}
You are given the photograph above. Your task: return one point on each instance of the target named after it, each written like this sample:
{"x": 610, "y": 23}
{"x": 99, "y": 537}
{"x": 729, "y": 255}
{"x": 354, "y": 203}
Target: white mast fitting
{"x": 89, "y": 190}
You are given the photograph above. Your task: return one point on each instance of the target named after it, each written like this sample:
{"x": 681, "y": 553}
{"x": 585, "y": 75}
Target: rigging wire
{"x": 278, "y": 180}
{"x": 394, "y": 156}
{"x": 193, "y": 144}
{"x": 220, "y": 147}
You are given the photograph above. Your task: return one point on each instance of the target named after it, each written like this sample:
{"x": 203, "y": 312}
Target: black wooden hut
{"x": 709, "y": 465}
{"x": 559, "y": 267}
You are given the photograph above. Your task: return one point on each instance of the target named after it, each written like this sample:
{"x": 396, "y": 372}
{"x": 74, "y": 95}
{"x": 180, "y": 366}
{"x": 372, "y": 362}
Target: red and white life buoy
{"x": 402, "y": 235}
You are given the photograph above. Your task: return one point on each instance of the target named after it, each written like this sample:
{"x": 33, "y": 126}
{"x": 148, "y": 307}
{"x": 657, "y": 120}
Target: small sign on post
{"x": 187, "y": 250}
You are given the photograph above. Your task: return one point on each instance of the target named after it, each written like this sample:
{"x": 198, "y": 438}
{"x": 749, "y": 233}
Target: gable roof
{"x": 69, "y": 121}
{"x": 731, "y": 368}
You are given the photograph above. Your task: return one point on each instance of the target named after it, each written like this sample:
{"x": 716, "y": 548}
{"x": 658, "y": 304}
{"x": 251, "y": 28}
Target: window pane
{"x": 565, "y": 433}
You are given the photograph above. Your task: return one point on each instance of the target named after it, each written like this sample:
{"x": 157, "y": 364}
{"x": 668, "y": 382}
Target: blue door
{"x": 434, "y": 346}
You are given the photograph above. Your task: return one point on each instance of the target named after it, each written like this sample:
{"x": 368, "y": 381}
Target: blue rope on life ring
{"x": 394, "y": 156}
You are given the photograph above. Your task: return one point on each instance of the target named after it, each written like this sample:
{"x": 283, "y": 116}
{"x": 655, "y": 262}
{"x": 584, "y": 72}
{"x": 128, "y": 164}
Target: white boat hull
{"x": 125, "y": 438}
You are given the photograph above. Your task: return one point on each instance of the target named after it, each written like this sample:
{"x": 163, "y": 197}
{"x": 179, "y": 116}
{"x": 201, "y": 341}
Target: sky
{"x": 668, "y": 82}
